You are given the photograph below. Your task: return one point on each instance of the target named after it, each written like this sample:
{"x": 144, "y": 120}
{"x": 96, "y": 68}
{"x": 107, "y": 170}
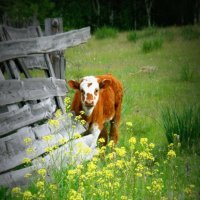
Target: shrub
{"x": 168, "y": 35}
{"x": 190, "y": 33}
{"x": 150, "y": 45}
{"x": 151, "y": 31}
{"x": 185, "y": 123}
{"x": 132, "y": 36}
{"x": 105, "y": 32}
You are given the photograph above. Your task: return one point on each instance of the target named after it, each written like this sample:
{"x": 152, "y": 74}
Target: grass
{"x": 132, "y": 36}
{"x": 184, "y": 123}
{"x": 173, "y": 176}
{"x": 105, "y": 32}
{"x": 150, "y": 45}
{"x": 186, "y": 73}
{"x": 190, "y": 33}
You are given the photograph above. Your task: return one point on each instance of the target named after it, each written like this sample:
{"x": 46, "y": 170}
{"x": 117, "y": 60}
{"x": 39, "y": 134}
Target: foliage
{"x": 105, "y": 32}
{"x": 132, "y": 36}
{"x": 24, "y": 10}
{"x": 124, "y": 15}
{"x": 185, "y": 123}
{"x": 151, "y": 31}
{"x": 190, "y": 33}
{"x": 115, "y": 172}
{"x": 150, "y": 45}
{"x": 144, "y": 96}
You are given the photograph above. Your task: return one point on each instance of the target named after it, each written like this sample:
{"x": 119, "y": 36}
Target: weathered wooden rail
{"x": 27, "y": 102}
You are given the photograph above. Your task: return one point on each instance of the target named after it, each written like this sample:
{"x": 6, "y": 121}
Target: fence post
{"x": 52, "y": 27}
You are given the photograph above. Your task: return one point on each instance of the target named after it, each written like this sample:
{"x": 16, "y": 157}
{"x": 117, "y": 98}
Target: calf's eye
{"x": 82, "y": 91}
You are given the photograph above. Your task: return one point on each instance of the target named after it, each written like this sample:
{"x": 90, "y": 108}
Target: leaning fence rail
{"x": 28, "y": 102}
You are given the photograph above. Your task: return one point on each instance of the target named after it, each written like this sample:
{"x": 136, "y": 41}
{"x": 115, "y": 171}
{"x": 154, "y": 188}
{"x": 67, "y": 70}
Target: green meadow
{"x": 151, "y": 80}
{"x": 157, "y": 156}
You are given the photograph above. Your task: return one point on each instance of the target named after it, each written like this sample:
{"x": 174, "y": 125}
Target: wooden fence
{"x": 27, "y": 102}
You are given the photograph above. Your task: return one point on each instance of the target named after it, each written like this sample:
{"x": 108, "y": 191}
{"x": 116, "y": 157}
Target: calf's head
{"x": 89, "y": 88}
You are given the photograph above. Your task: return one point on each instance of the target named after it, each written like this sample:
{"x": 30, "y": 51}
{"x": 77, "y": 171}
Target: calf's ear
{"x": 74, "y": 84}
{"x": 104, "y": 83}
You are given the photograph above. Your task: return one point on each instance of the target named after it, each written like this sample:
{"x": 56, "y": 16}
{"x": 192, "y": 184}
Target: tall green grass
{"x": 184, "y": 122}
{"x": 105, "y": 32}
{"x": 150, "y": 45}
{"x": 190, "y": 33}
{"x": 132, "y": 36}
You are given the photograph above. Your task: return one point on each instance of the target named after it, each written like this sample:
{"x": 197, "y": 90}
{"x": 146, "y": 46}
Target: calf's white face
{"x": 89, "y": 88}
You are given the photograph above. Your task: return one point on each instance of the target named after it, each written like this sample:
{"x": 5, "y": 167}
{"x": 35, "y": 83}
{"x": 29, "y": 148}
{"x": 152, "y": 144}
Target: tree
{"x": 148, "y": 5}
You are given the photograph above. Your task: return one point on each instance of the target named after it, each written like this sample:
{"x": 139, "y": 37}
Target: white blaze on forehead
{"x": 89, "y": 88}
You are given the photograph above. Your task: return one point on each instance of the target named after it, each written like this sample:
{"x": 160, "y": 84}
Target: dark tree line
{"x": 122, "y": 14}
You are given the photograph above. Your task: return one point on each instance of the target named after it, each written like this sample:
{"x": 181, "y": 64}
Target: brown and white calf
{"x": 100, "y": 97}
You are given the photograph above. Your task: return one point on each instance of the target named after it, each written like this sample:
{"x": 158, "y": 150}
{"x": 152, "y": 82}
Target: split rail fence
{"x": 27, "y": 102}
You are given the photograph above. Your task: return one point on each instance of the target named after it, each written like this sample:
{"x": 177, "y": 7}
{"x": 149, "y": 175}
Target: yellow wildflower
{"x": 42, "y": 172}
{"x": 48, "y": 149}
{"x": 156, "y": 186}
{"x": 146, "y": 155}
{"x": 30, "y": 150}
{"x": 71, "y": 172}
{"x": 26, "y": 161}
{"x": 143, "y": 141}
{"x": 120, "y": 164}
{"x": 53, "y": 187}
{"x": 171, "y": 154}
{"x": 138, "y": 174}
{"x": 121, "y": 151}
{"x": 124, "y": 197}
{"x": 78, "y": 117}
{"x": 27, "y": 140}
{"x": 101, "y": 140}
{"x": 129, "y": 124}
{"x": 116, "y": 184}
{"x": 83, "y": 148}
{"x": 139, "y": 167}
{"x": 110, "y": 156}
{"x": 189, "y": 190}
{"x": 27, "y": 175}
{"x": 54, "y": 122}
{"x": 70, "y": 114}
{"x": 16, "y": 190}
{"x": 171, "y": 146}
{"x": 108, "y": 173}
{"x": 48, "y": 137}
{"x": 77, "y": 135}
{"x": 67, "y": 101}
{"x": 74, "y": 195}
{"x": 40, "y": 185}
{"x": 111, "y": 144}
{"x": 91, "y": 166}
{"x": 83, "y": 122}
{"x": 63, "y": 141}
{"x": 151, "y": 145}
{"x": 132, "y": 140}
{"x": 58, "y": 113}
{"x": 79, "y": 167}
{"x": 82, "y": 112}
{"x": 27, "y": 195}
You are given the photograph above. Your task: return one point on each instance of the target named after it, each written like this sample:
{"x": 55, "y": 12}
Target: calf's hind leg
{"x": 104, "y": 135}
{"x": 114, "y": 126}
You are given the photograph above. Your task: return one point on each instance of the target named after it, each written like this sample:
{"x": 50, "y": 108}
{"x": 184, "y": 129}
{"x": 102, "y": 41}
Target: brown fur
{"x": 108, "y": 107}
